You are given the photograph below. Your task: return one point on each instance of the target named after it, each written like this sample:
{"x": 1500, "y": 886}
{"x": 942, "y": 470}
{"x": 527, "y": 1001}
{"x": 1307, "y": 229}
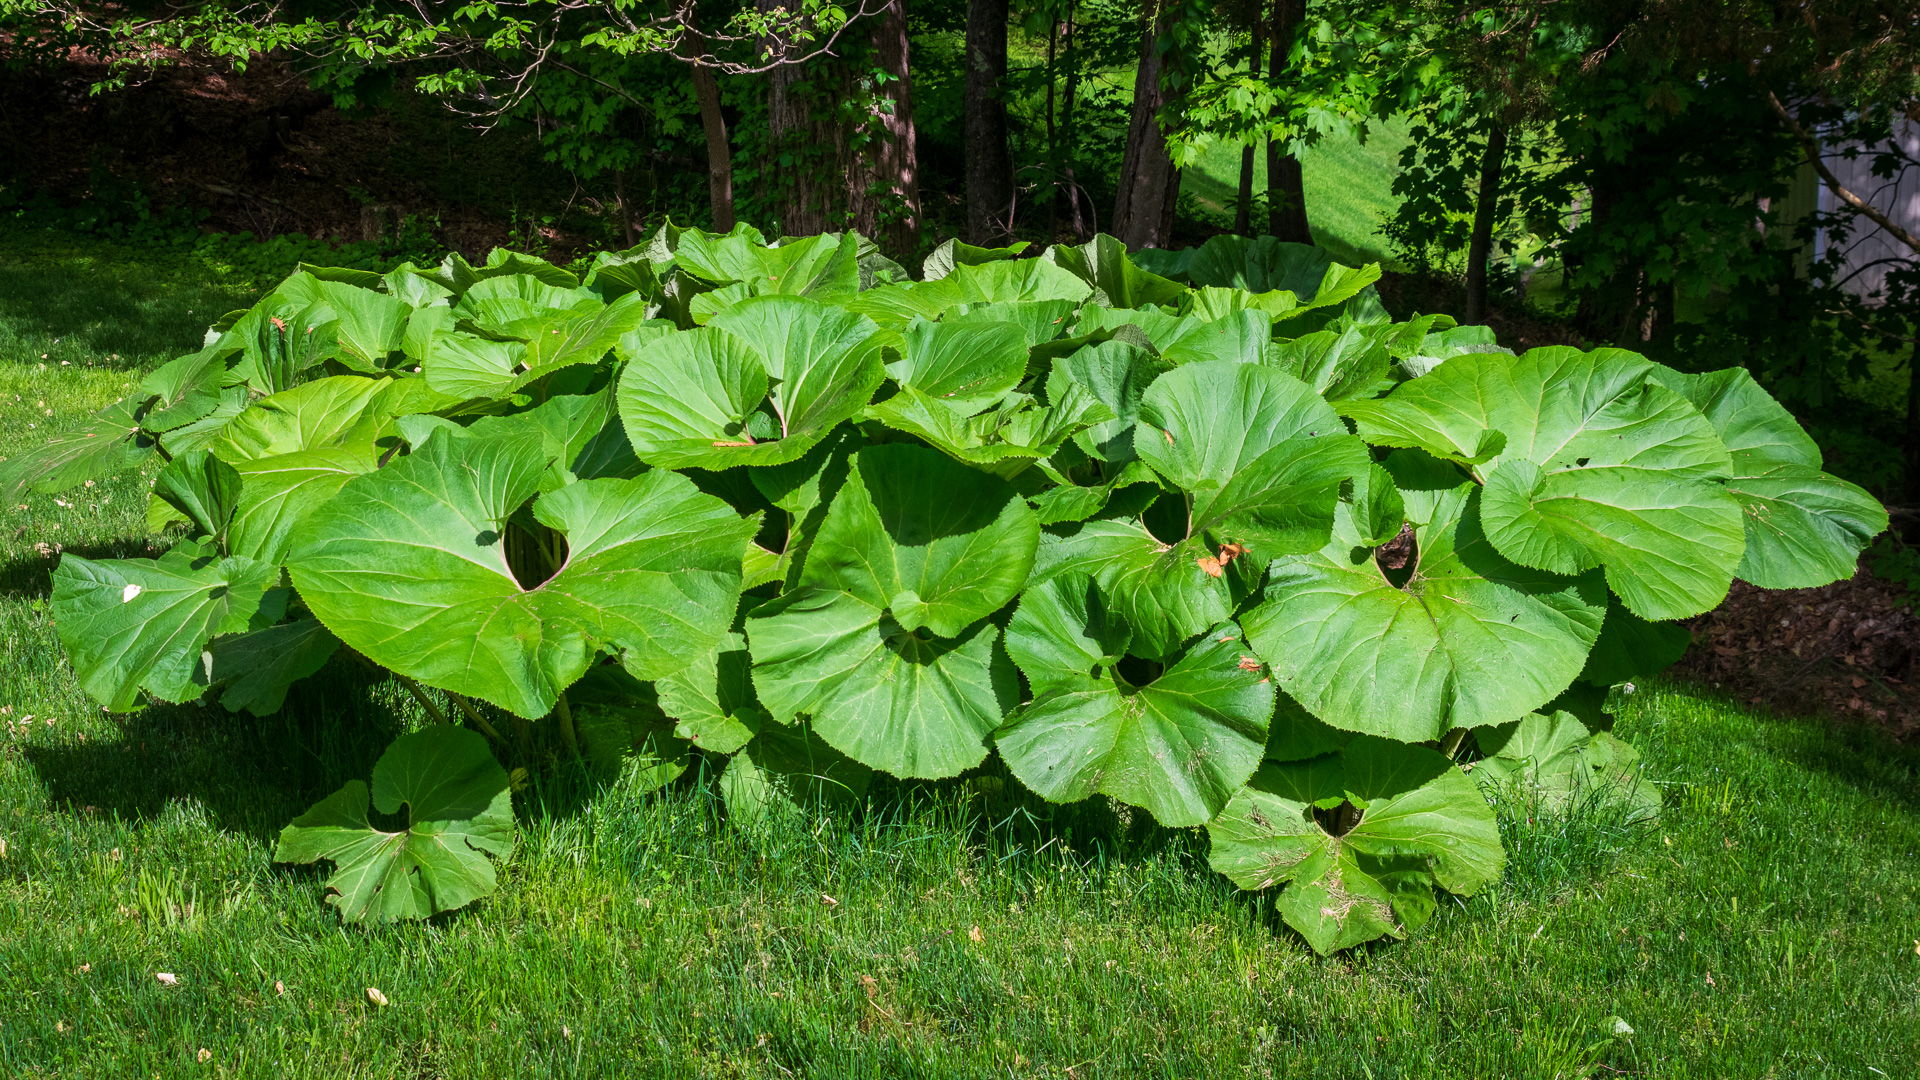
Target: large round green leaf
{"x": 1805, "y": 528}
{"x": 1065, "y": 633}
{"x": 931, "y": 542}
{"x": 459, "y": 812}
{"x": 1557, "y": 763}
{"x": 129, "y": 624}
{"x": 408, "y": 565}
{"x": 903, "y": 702}
{"x": 1102, "y": 263}
{"x": 1118, "y": 375}
{"x": 881, "y": 640}
{"x": 690, "y": 399}
{"x": 1599, "y": 465}
{"x": 1468, "y": 638}
{"x": 1261, "y": 459}
{"x": 966, "y": 364}
{"x": 1421, "y": 823}
{"x": 1166, "y": 592}
{"x": 712, "y": 699}
{"x": 1178, "y": 746}
{"x": 1201, "y": 424}
{"x": 278, "y": 492}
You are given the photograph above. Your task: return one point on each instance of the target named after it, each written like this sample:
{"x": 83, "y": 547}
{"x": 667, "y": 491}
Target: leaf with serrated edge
{"x": 912, "y": 541}
{"x": 408, "y": 566}
{"x": 1178, "y": 746}
{"x": 459, "y": 812}
{"x": 134, "y": 623}
{"x": 1805, "y": 528}
{"x": 1469, "y": 639}
{"x": 1420, "y": 817}
{"x": 1601, "y": 466}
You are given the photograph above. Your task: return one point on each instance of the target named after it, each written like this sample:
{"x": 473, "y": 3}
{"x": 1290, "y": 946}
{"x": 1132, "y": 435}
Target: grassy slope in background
{"x": 1766, "y": 922}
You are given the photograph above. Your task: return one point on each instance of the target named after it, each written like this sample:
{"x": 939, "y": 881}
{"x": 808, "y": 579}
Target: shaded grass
{"x": 1764, "y": 925}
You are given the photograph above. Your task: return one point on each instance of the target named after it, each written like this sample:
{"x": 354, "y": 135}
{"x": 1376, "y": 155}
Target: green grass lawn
{"x": 1349, "y": 189}
{"x": 1767, "y": 925}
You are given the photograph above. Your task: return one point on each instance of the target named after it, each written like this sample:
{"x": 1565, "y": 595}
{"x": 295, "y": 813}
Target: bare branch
{"x": 1866, "y": 209}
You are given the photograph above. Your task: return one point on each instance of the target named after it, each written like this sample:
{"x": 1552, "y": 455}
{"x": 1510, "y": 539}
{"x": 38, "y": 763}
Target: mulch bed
{"x": 1846, "y": 650}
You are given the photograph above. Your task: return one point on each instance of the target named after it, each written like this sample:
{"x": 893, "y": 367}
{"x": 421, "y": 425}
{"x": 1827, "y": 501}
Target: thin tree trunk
{"x": 1913, "y": 428}
{"x": 1480, "y": 242}
{"x": 620, "y": 203}
{"x": 1053, "y": 135}
{"x": 1243, "y": 213}
{"x": 1286, "y": 192}
{"x": 989, "y": 170}
{"x": 1149, "y": 184}
{"x": 706, "y": 91}
{"x": 895, "y": 159}
{"x": 1076, "y": 213}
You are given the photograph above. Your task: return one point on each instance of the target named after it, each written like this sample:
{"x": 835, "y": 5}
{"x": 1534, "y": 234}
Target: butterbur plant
{"x": 1203, "y": 532}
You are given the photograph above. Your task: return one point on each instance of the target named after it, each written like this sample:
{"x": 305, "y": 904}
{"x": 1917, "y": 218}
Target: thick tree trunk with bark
{"x": 989, "y": 168}
{"x": 801, "y": 192}
{"x": 1286, "y": 191}
{"x": 1480, "y": 241}
{"x": 889, "y": 209}
{"x": 1149, "y": 184}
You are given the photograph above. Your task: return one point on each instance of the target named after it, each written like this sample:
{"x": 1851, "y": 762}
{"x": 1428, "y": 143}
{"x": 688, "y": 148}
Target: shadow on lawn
{"x": 127, "y": 315}
{"x": 1858, "y": 754}
{"x": 252, "y": 774}
{"x": 28, "y": 574}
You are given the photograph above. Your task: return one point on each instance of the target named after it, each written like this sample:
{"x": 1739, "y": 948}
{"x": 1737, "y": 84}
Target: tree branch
{"x": 1865, "y": 208}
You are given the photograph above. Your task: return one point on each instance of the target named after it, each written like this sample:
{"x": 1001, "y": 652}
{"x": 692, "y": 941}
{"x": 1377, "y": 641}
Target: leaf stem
{"x": 565, "y": 716}
{"x": 1450, "y": 742}
{"x": 473, "y": 714}
{"x": 439, "y": 717}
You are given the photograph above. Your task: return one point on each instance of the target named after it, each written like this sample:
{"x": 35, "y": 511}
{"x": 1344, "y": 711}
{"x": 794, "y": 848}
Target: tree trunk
{"x": 706, "y": 91}
{"x": 1480, "y": 242}
{"x": 1076, "y": 210}
{"x": 989, "y": 169}
{"x": 889, "y": 210}
{"x": 1286, "y": 192}
{"x": 1149, "y": 184}
{"x": 1243, "y": 212}
{"x": 814, "y": 171}
{"x": 1913, "y": 433}
{"x": 794, "y": 191}
{"x": 620, "y": 202}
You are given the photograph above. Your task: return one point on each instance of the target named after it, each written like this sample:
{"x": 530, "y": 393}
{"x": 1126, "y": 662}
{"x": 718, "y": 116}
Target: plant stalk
{"x": 565, "y": 716}
{"x": 419, "y": 695}
{"x": 473, "y": 714}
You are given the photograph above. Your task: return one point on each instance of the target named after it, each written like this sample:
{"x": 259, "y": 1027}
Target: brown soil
{"x": 1516, "y": 327}
{"x": 1846, "y": 650}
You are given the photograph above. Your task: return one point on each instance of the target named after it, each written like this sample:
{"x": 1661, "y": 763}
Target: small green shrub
{"x": 1203, "y": 532}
